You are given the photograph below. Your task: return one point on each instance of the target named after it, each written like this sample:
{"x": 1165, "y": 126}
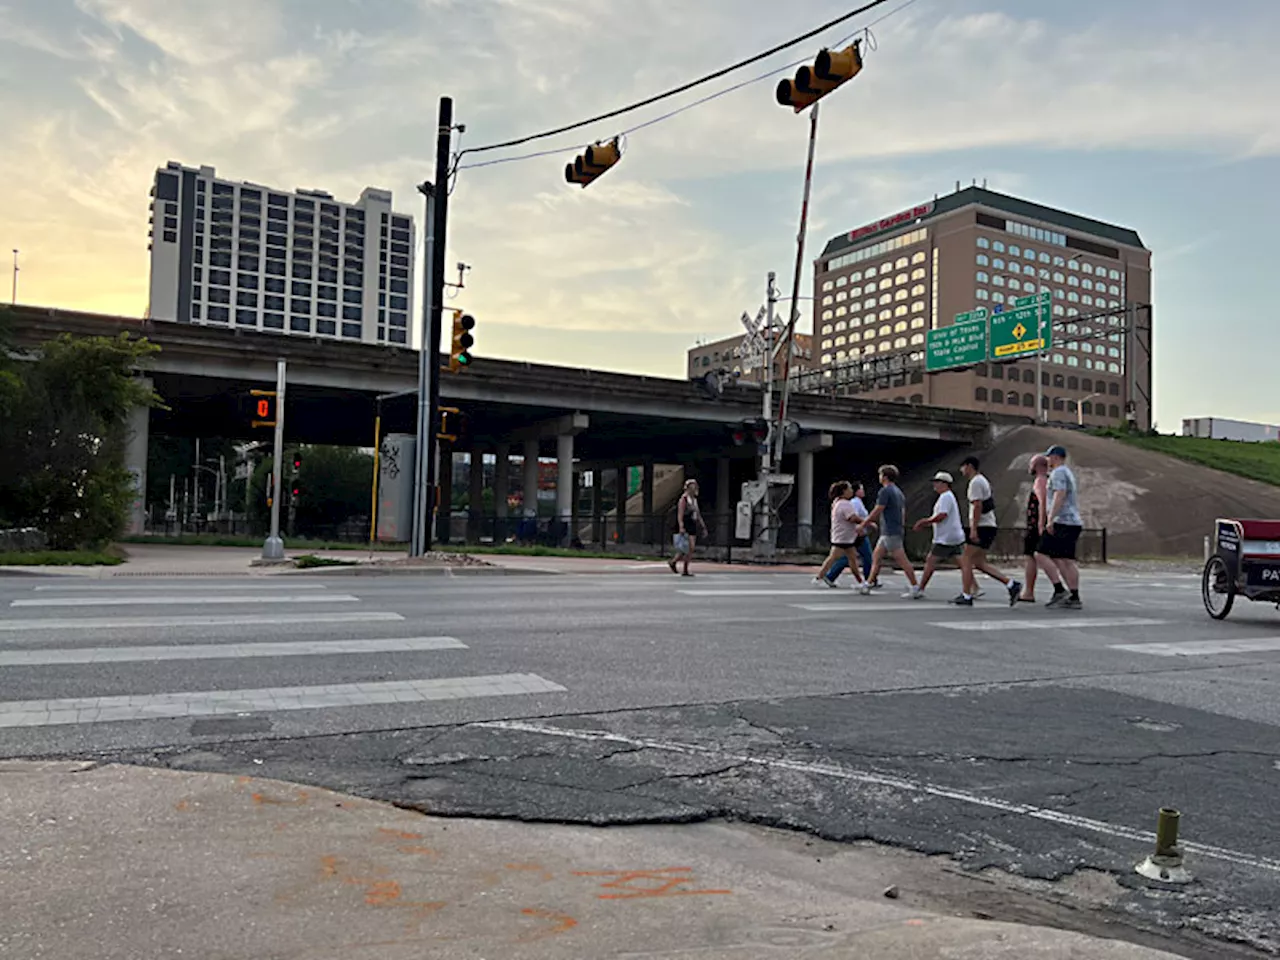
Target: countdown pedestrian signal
{"x": 264, "y": 408}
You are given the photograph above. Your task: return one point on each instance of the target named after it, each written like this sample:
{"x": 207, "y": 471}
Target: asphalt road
{"x": 1037, "y": 742}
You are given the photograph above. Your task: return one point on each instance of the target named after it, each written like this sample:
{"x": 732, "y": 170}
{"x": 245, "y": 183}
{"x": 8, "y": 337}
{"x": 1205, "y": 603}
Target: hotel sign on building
{"x": 888, "y": 223}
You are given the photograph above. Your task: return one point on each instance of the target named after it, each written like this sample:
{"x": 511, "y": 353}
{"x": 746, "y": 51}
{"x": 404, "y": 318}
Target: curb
{"x": 370, "y": 571}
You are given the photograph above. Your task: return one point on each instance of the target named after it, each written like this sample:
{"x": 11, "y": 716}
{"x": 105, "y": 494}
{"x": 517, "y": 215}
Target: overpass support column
{"x": 646, "y": 487}
{"x": 564, "y": 484}
{"x": 804, "y": 449}
{"x": 444, "y": 517}
{"x": 530, "y": 495}
{"x": 501, "y": 490}
{"x": 725, "y": 508}
{"x": 135, "y": 461}
{"x": 475, "y": 496}
{"x": 804, "y": 501}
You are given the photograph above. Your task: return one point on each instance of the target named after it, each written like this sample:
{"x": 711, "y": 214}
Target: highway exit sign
{"x": 1025, "y": 329}
{"x": 962, "y": 344}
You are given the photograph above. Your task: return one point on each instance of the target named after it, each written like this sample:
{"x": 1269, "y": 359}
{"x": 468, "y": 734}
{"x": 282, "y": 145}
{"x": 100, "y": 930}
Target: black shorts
{"x": 843, "y": 546}
{"x": 945, "y": 551}
{"x": 986, "y": 537}
{"x": 1031, "y": 543}
{"x": 1061, "y": 544}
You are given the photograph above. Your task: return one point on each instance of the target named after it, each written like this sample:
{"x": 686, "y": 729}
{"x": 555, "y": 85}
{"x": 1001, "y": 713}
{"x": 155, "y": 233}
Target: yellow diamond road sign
{"x": 1019, "y": 331}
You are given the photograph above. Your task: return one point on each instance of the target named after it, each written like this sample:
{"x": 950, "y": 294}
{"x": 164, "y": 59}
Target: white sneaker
{"x": 864, "y": 589}
{"x": 820, "y": 582}
{"x": 915, "y": 593}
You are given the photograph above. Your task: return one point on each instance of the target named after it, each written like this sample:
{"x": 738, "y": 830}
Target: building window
{"x": 917, "y": 339}
{"x": 1086, "y": 268}
{"x": 901, "y": 295}
{"x": 997, "y": 396}
{"x": 997, "y": 281}
{"x": 841, "y": 281}
{"x": 984, "y": 243}
{"x": 1028, "y": 399}
{"x": 219, "y": 314}
{"x": 997, "y": 297}
{"x": 886, "y": 298}
{"x": 900, "y": 327}
{"x": 981, "y": 277}
{"x": 981, "y": 294}
{"x": 1073, "y": 265}
{"x": 900, "y": 342}
{"x": 827, "y": 301}
{"x": 826, "y": 328}
{"x": 980, "y": 394}
{"x": 840, "y": 311}
{"x": 997, "y": 264}
{"x": 1014, "y": 284}
{"x": 982, "y": 260}
{"x": 828, "y": 285}
{"x": 886, "y": 283}
{"x": 918, "y": 257}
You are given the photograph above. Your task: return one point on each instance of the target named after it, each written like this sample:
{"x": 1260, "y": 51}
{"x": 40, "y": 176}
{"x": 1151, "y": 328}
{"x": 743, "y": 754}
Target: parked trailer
{"x": 1219, "y": 428}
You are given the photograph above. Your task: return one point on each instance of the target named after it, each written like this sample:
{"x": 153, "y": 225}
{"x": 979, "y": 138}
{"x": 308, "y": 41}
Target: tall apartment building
{"x": 246, "y": 256}
{"x": 729, "y": 353}
{"x": 879, "y": 289}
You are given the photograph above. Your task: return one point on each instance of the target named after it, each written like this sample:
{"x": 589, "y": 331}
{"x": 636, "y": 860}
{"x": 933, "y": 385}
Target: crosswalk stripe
{"x": 765, "y": 592}
{"x": 866, "y": 607}
{"x": 124, "y": 588}
{"x": 1047, "y": 623}
{"x": 178, "y": 601}
{"x": 208, "y": 703}
{"x": 1202, "y": 648}
{"x": 245, "y": 620}
{"x": 225, "y": 651}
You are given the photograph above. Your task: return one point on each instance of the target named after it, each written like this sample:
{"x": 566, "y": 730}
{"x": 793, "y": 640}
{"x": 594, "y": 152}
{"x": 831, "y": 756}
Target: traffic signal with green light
{"x": 829, "y": 70}
{"x": 460, "y": 350}
{"x": 589, "y": 165}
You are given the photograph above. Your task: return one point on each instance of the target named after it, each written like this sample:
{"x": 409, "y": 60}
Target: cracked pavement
{"x": 1038, "y": 756}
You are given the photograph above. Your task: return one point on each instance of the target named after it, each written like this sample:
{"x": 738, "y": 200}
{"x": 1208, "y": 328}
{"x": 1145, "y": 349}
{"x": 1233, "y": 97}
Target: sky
{"x": 1158, "y": 115}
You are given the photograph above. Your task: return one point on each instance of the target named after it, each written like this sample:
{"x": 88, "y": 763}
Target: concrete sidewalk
{"x": 122, "y": 863}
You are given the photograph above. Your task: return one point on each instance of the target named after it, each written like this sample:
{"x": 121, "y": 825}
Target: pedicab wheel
{"x": 1217, "y": 589}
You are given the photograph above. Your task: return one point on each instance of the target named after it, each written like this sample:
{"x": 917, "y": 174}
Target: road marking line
{"x": 1201, "y": 648}
{"x": 871, "y": 607}
{"x": 766, "y": 592}
{"x": 177, "y": 601}
{"x": 135, "y": 623}
{"x": 211, "y": 703}
{"x": 225, "y": 651}
{"x": 896, "y": 783}
{"x": 123, "y": 588}
{"x": 1048, "y": 623}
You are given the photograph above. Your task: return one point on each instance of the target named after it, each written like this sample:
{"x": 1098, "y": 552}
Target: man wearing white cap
{"x": 948, "y": 530}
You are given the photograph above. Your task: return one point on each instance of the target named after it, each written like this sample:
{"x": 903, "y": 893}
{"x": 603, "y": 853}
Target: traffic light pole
{"x": 273, "y": 549}
{"x": 433, "y": 307}
{"x": 427, "y": 373}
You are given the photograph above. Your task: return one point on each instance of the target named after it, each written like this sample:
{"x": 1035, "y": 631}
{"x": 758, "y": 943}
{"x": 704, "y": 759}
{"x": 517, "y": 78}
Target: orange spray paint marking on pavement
{"x": 302, "y": 797}
{"x": 665, "y": 883}
{"x": 561, "y": 923}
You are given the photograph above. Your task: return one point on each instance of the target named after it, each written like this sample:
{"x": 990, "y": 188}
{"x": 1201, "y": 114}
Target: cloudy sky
{"x": 1155, "y": 114}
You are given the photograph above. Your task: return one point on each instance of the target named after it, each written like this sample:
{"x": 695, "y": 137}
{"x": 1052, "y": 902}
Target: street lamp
{"x": 1080, "y": 408}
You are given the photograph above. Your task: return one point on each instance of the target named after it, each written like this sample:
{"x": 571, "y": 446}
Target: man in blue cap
{"x": 1057, "y": 552}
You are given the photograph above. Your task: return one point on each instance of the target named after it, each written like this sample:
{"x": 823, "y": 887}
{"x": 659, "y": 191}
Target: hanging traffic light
{"x": 829, "y": 70}
{"x": 460, "y": 350}
{"x": 592, "y": 162}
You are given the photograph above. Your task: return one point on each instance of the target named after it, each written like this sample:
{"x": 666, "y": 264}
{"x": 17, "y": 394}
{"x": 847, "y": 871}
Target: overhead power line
{"x": 715, "y": 75}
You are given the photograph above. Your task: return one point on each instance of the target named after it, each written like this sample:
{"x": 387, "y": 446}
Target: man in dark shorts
{"x": 890, "y": 513}
{"x": 948, "y": 530}
{"x": 1057, "y": 552}
{"x": 982, "y": 533}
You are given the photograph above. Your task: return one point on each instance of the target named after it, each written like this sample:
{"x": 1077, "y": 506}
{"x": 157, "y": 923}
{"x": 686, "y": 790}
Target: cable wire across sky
{"x": 683, "y": 88}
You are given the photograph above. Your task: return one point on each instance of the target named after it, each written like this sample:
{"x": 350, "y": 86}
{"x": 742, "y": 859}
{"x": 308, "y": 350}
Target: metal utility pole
{"x": 428, "y": 371}
{"x": 15, "y": 277}
{"x": 433, "y": 306}
{"x": 273, "y": 548}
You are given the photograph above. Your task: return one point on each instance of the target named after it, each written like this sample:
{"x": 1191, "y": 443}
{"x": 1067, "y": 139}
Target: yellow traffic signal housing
{"x": 444, "y": 433}
{"x": 592, "y": 162}
{"x": 460, "y": 350}
{"x": 829, "y": 70}
{"x": 264, "y": 408}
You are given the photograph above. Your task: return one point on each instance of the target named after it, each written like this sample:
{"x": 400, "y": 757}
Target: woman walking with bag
{"x": 844, "y": 532}
{"x": 688, "y": 526}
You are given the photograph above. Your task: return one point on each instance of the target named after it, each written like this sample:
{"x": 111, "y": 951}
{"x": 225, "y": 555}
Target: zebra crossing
{"x": 68, "y": 659}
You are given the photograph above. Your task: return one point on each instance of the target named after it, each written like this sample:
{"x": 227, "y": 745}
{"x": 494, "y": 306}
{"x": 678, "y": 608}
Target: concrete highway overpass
{"x": 614, "y": 419}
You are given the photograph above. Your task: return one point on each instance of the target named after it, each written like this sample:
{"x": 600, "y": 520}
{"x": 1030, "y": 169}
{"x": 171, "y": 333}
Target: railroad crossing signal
{"x": 460, "y": 351}
{"x": 264, "y": 408}
{"x": 589, "y": 165}
{"x": 829, "y": 70}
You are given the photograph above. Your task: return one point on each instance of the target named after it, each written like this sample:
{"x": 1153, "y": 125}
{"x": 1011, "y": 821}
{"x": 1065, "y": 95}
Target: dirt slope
{"x": 1151, "y": 504}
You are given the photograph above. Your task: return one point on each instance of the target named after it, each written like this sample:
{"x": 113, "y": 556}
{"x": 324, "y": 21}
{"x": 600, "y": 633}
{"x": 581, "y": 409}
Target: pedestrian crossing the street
{"x": 67, "y": 650}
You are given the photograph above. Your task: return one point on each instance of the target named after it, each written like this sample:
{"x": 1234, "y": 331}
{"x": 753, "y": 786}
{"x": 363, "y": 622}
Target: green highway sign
{"x": 962, "y": 344}
{"x": 1014, "y": 332}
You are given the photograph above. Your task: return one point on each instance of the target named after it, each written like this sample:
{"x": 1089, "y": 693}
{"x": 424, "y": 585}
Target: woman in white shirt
{"x": 844, "y": 532}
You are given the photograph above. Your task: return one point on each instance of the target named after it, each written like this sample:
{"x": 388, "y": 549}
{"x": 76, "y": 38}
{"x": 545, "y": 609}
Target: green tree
{"x": 63, "y": 435}
{"x": 335, "y": 488}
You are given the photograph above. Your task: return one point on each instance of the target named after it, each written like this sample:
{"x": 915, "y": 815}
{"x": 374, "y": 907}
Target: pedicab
{"x": 1245, "y": 562}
